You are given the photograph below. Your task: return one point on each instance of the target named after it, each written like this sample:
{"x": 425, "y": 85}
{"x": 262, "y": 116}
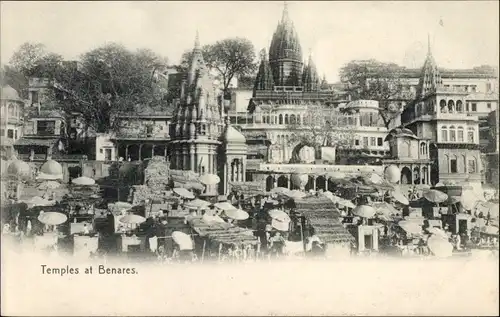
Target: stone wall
{"x": 156, "y": 181}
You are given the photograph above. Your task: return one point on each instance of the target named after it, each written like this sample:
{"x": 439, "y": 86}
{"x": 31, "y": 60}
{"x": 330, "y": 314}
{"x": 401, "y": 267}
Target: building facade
{"x": 439, "y": 114}
{"x": 11, "y": 119}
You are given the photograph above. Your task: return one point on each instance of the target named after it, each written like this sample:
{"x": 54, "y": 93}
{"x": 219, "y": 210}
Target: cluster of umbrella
{"x": 280, "y": 220}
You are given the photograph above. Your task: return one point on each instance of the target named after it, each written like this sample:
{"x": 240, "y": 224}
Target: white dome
{"x": 233, "y": 135}
{"x": 9, "y": 93}
{"x": 51, "y": 167}
{"x": 19, "y": 169}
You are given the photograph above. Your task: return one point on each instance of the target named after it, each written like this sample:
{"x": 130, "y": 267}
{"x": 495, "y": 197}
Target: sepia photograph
{"x": 249, "y": 158}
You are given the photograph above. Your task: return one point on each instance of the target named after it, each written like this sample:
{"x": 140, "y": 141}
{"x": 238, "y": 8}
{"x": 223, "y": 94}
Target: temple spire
{"x": 285, "y": 17}
{"x": 428, "y": 44}
{"x": 197, "y": 41}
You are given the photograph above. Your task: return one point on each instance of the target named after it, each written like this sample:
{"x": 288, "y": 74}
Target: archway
{"x": 159, "y": 150}
{"x": 416, "y": 176}
{"x": 321, "y": 183}
{"x": 133, "y": 152}
{"x": 269, "y": 183}
{"x": 406, "y": 176}
{"x": 330, "y": 186}
{"x": 146, "y": 151}
{"x": 74, "y": 172}
{"x": 283, "y": 181}
{"x": 310, "y": 183}
{"x": 296, "y": 150}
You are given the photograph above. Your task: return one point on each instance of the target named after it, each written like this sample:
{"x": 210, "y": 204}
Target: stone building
{"x": 11, "y": 119}
{"x": 202, "y": 141}
{"x": 439, "y": 114}
{"x": 411, "y": 155}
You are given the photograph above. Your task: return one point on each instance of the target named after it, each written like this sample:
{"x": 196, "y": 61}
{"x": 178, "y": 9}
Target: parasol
{"x": 279, "y": 215}
{"x": 468, "y": 200}
{"x": 184, "y": 193}
{"x": 39, "y": 201}
{"x": 211, "y": 218}
{"x": 224, "y": 206}
{"x": 398, "y": 196}
{"x": 345, "y": 203}
{"x": 52, "y": 218}
{"x": 49, "y": 185}
{"x": 440, "y": 247}
{"x": 490, "y": 230}
{"x": 296, "y": 194}
{"x": 328, "y": 195}
{"x": 83, "y": 181}
{"x": 364, "y": 211}
{"x": 435, "y": 196}
{"x": 209, "y": 179}
{"x": 280, "y": 225}
{"x": 132, "y": 219}
{"x": 384, "y": 208}
{"x": 280, "y": 190}
{"x": 392, "y": 174}
{"x": 195, "y": 186}
{"x": 183, "y": 240}
{"x": 438, "y": 232}
{"x": 410, "y": 227}
{"x": 197, "y": 203}
{"x": 375, "y": 179}
{"x": 272, "y": 201}
{"x": 236, "y": 214}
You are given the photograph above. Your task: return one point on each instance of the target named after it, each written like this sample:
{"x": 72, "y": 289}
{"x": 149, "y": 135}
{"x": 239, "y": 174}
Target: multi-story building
{"x": 439, "y": 114}
{"x": 11, "y": 119}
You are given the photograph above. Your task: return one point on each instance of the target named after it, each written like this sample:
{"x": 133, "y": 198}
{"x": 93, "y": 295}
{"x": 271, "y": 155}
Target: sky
{"x": 334, "y": 32}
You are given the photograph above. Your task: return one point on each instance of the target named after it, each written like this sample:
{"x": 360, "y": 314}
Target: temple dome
{"x": 234, "y": 136}
{"x": 51, "y": 167}
{"x": 400, "y": 132}
{"x": 9, "y": 93}
{"x": 19, "y": 169}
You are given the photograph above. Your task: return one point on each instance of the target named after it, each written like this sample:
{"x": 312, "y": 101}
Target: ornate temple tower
{"x": 438, "y": 114}
{"x": 198, "y": 121}
{"x": 200, "y": 139}
{"x": 285, "y": 54}
{"x": 310, "y": 78}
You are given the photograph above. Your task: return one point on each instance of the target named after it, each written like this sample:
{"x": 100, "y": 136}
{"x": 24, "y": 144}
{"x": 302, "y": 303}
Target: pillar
{"x": 326, "y": 183}
{"x": 152, "y": 151}
{"x": 192, "y": 160}
{"x": 314, "y": 183}
{"x": 165, "y": 151}
{"x": 375, "y": 239}
{"x": 288, "y": 182}
{"x": 275, "y": 180}
{"x": 126, "y": 153}
{"x": 32, "y": 154}
{"x": 140, "y": 152}
{"x": 429, "y": 174}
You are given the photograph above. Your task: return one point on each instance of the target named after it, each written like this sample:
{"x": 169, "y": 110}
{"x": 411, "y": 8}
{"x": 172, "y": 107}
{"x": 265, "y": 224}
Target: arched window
{"x": 460, "y": 107}
{"x": 281, "y": 119}
{"x": 472, "y": 166}
{"x": 460, "y": 134}
{"x": 299, "y": 119}
{"x": 451, "y": 106}
{"x": 11, "y": 110}
{"x": 453, "y": 134}
{"x": 423, "y": 148}
{"x": 444, "y": 134}
{"x": 442, "y": 105}
{"x": 292, "y": 119}
{"x": 286, "y": 119}
{"x": 470, "y": 135}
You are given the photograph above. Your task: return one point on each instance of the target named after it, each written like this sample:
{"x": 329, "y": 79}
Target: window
{"x": 423, "y": 148}
{"x": 149, "y": 130}
{"x": 365, "y": 141}
{"x": 473, "y": 106}
{"x": 470, "y": 135}
{"x": 10, "y": 134}
{"x": 380, "y": 141}
{"x": 474, "y": 88}
{"x": 460, "y": 134}
{"x": 488, "y": 87}
{"x": 2, "y": 132}
{"x": 15, "y": 134}
{"x": 453, "y": 135}
{"x": 472, "y": 166}
{"x": 356, "y": 142}
{"x": 453, "y": 165}
{"x": 467, "y": 107}
{"x": 281, "y": 119}
{"x": 444, "y": 134}
{"x": 45, "y": 127}
{"x": 107, "y": 154}
{"x": 11, "y": 111}
{"x": 373, "y": 141}
{"x": 460, "y": 108}
{"x": 488, "y": 105}
{"x": 34, "y": 97}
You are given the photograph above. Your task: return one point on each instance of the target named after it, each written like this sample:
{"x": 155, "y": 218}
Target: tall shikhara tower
{"x": 202, "y": 140}
{"x": 283, "y": 70}
{"x": 198, "y": 120}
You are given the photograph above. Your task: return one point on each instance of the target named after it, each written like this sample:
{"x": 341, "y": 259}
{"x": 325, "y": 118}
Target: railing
{"x": 142, "y": 136}
{"x": 57, "y": 157}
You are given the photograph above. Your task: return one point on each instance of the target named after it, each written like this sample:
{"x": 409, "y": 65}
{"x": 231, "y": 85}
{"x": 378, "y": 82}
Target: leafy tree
{"x": 111, "y": 80}
{"x": 373, "y": 80}
{"x": 229, "y": 58}
{"x": 321, "y": 126}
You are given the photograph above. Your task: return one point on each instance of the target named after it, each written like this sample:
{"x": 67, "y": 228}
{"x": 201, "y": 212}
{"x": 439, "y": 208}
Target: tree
{"x": 229, "y": 58}
{"x": 321, "y": 126}
{"x": 111, "y": 80}
{"x": 373, "y": 80}
{"x": 33, "y": 60}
